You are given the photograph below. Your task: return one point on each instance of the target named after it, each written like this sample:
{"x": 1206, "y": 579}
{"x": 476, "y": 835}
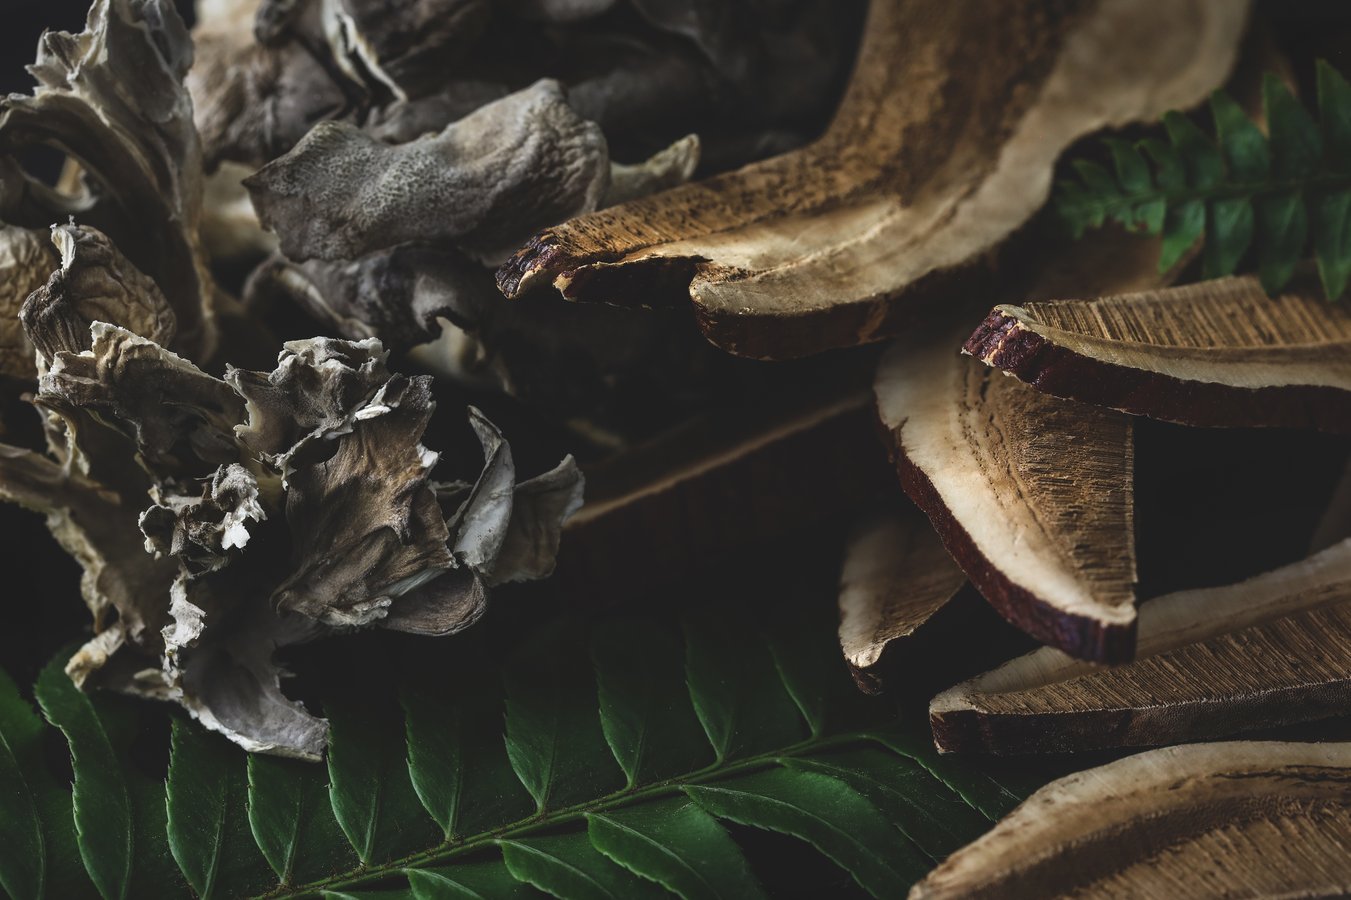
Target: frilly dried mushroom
{"x": 274, "y": 508}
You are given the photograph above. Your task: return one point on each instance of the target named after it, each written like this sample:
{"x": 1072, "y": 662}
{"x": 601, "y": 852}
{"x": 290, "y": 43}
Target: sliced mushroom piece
{"x": 943, "y": 145}
{"x": 404, "y": 45}
{"x": 1239, "y": 819}
{"x": 1031, "y": 495}
{"x": 484, "y": 183}
{"x": 1213, "y": 353}
{"x": 1268, "y": 651}
{"x": 113, "y": 98}
{"x": 897, "y": 576}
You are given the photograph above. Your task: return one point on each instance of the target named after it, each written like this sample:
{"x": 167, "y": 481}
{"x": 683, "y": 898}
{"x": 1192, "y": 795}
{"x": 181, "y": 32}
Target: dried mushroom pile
{"x": 604, "y": 218}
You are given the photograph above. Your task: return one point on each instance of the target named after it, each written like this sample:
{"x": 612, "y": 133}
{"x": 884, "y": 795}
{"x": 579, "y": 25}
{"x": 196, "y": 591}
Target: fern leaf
{"x": 566, "y": 865}
{"x": 645, "y": 708}
{"x": 826, "y": 813}
{"x": 1277, "y": 193}
{"x": 291, "y": 818}
{"x": 602, "y": 779}
{"x": 554, "y": 736}
{"x": 736, "y": 691}
{"x": 23, "y": 865}
{"x": 676, "y": 844}
{"x": 119, "y": 814}
{"x": 207, "y": 824}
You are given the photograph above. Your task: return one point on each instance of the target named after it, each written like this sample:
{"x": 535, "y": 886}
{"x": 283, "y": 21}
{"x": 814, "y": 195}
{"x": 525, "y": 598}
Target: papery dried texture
{"x": 180, "y": 419}
{"x": 1262, "y": 653}
{"x": 484, "y": 183}
{"x": 200, "y": 531}
{"x": 252, "y": 102}
{"x": 26, "y": 261}
{"x": 800, "y": 253}
{"x": 897, "y": 576}
{"x": 120, "y": 582}
{"x": 1241, "y": 819}
{"x": 1215, "y": 353}
{"x": 112, "y": 96}
{"x": 94, "y": 283}
{"x": 403, "y": 45}
{"x": 1031, "y": 495}
{"x": 670, "y": 167}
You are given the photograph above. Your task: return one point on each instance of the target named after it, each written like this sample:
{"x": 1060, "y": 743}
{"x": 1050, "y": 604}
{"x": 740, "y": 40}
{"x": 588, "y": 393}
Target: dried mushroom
{"x": 1241, "y": 819}
{"x": 1031, "y": 495}
{"x": 1264, "y": 652}
{"x": 1214, "y": 353}
{"x": 26, "y": 261}
{"x": 896, "y": 577}
{"x": 484, "y": 182}
{"x": 943, "y": 145}
{"x": 112, "y": 97}
{"x": 218, "y": 520}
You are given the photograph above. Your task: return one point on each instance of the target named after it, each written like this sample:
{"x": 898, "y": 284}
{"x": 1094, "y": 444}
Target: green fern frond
{"x": 594, "y": 763}
{"x": 1239, "y": 190}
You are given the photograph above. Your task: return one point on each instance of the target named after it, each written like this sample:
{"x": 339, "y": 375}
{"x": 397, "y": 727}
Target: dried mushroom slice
{"x": 1240, "y": 819}
{"x": 402, "y": 46}
{"x": 943, "y": 145}
{"x": 94, "y": 283}
{"x": 180, "y": 418}
{"x": 1031, "y": 495}
{"x": 1214, "y": 353}
{"x": 483, "y": 183}
{"x": 897, "y": 576}
{"x": 113, "y": 98}
{"x": 26, "y": 261}
{"x": 1268, "y": 651}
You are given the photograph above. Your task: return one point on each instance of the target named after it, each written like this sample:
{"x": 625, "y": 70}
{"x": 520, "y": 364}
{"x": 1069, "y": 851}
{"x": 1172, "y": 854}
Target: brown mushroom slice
{"x": 1031, "y": 495}
{"x": 896, "y": 578}
{"x": 1238, "y": 819}
{"x": 26, "y": 261}
{"x": 1268, "y": 651}
{"x": 1214, "y": 353}
{"x": 943, "y": 145}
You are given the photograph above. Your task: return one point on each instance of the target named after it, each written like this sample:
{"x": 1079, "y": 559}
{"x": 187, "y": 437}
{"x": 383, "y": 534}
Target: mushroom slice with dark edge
{"x": 1031, "y": 495}
{"x": 1238, "y": 819}
{"x": 1269, "y": 651}
{"x": 1215, "y": 353}
{"x": 896, "y": 578}
{"x": 943, "y": 145}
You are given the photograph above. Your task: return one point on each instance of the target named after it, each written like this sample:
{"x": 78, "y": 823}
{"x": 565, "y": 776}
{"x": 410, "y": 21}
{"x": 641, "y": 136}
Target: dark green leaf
{"x": 1334, "y": 111}
{"x": 292, "y": 819}
{"x": 1200, "y": 157}
{"x": 1283, "y": 224}
{"x": 1296, "y": 145}
{"x": 1229, "y": 231}
{"x": 119, "y": 814}
{"x": 1332, "y": 241}
{"x": 1132, "y": 172}
{"x": 208, "y": 826}
{"x": 1182, "y": 227}
{"x": 23, "y": 864}
{"x": 554, "y": 737}
{"x": 567, "y": 866}
{"x": 469, "y": 881}
{"x": 1149, "y": 216}
{"x": 934, "y": 818}
{"x": 828, "y": 814}
{"x": 679, "y": 846}
{"x": 1245, "y": 149}
{"x": 1170, "y": 174}
{"x": 1097, "y": 178}
{"x": 644, "y": 705}
{"x": 369, "y": 787}
{"x": 456, "y": 754}
{"x": 104, "y": 826}
{"x": 992, "y": 797}
{"x": 736, "y": 691}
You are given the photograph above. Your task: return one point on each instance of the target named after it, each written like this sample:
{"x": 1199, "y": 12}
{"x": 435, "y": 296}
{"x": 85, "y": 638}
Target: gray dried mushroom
{"x": 275, "y": 508}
